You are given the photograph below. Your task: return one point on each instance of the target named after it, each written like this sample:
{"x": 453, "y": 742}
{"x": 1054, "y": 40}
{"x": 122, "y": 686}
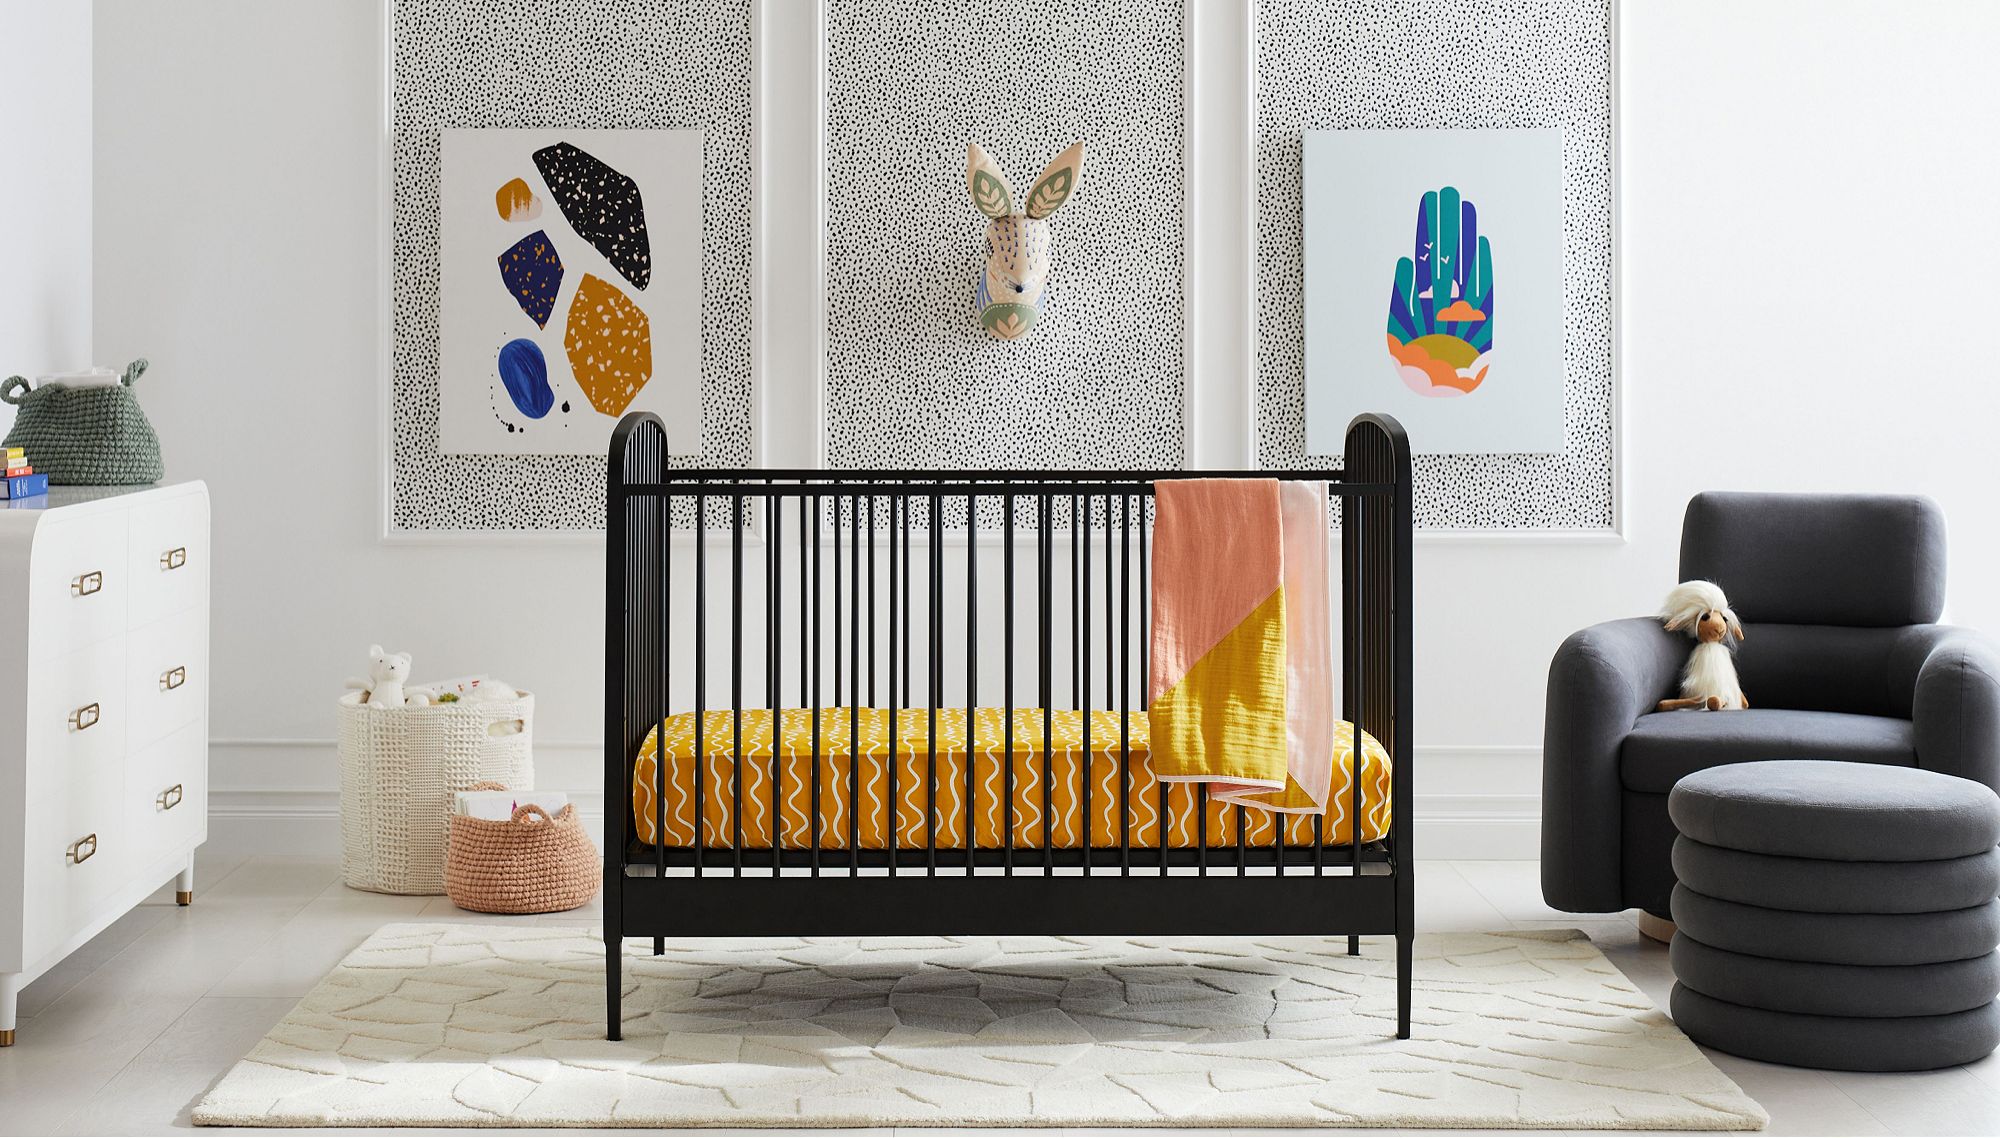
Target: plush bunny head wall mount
{"x": 1015, "y": 281}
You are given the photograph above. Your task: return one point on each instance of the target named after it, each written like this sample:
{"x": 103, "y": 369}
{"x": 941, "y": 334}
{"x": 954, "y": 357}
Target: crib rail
{"x": 833, "y": 586}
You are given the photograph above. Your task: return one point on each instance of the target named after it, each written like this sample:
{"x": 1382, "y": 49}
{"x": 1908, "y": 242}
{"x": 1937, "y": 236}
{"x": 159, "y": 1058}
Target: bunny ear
{"x": 1056, "y": 183}
{"x": 990, "y": 193}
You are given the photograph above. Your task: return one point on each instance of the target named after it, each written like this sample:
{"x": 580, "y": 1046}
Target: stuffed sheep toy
{"x": 1709, "y": 680}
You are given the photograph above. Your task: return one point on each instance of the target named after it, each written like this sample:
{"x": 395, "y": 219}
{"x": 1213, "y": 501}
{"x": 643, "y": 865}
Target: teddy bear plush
{"x": 388, "y": 673}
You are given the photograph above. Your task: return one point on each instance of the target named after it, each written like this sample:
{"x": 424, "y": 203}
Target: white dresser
{"x": 103, "y": 713}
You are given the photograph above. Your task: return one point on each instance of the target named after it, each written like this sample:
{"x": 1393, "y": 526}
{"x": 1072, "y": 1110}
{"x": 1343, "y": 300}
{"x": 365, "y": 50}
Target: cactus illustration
{"x": 1440, "y": 331}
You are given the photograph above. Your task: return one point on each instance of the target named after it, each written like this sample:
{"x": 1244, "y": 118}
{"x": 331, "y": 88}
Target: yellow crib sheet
{"x": 1066, "y": 775}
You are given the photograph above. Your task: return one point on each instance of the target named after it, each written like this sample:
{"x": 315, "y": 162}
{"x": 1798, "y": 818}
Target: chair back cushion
{"x": 1868, "y": 560}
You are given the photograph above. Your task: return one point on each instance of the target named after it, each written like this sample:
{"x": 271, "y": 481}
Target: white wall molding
{"x": 1219, "y": 220}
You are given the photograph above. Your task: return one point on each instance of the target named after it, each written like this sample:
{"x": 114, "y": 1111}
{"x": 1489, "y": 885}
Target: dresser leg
{"x": 10, "y": 989}
{"x": 184, "y": 884}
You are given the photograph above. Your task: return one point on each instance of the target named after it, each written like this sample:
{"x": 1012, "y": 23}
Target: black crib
{"x": 697, "y": 558}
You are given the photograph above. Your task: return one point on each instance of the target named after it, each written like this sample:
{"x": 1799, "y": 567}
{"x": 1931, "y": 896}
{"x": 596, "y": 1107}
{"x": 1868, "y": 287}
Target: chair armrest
{"x": 1601, "y": 681}
{"x": 1957, "y": 707}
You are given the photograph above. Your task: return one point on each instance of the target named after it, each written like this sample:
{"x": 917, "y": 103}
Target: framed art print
{"x": 570, "y": 286}
{"x": 1434, "y": 286}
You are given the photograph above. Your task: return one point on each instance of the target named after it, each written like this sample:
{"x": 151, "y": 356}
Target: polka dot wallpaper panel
{"x": 661, "y": 64}
{"x": 1407, "y": 64}
{"x": 912, "y": 379}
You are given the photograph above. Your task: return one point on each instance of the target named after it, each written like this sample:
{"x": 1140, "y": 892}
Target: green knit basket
{"x": 85, "y": 436}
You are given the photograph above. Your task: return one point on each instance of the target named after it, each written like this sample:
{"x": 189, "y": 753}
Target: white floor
{"x": 129, "y": 1032}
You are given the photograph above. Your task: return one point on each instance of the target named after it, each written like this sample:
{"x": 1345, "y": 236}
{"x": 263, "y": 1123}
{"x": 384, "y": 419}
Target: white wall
{"x": 1807, "y": 243}
{"x": 45, "y": 90}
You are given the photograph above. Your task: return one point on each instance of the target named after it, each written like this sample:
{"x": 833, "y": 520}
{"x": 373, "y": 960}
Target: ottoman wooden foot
{"x": 1656, "y": 928}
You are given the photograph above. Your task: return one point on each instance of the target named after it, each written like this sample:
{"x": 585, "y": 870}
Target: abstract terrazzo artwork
{"x": 661, "y": 65}
{"x": 577, "y": 330}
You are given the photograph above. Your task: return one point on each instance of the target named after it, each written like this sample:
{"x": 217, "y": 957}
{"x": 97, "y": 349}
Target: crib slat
{"x": 700, "y": 680}
{"x": 908, "y": 665}
{"x": 1124, "y": 701}
{"x": 1007, "y": 683}
{"x": 774, "y": 604}
{"x": 899, "y": 513}
{"x": 662, "y": 518}
{"x": 1201, "y": 827}
{"x": 854, "y": 710}
{"x": 1357, "y": 639}
{"x": 872, "y": 543}
{"x": 1082, "y": 624}
{"x": 1045, "y": 558}
{"x": 934, "y": 658}
{"x": 1242, "y": 863}
{"x": 812, "y": 819}
{"x": 970, "y": 825}
{"x": 736, "y": 680}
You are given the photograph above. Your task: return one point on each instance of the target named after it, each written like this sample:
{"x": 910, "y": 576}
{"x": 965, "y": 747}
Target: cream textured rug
{"x": 479, "y": 1025}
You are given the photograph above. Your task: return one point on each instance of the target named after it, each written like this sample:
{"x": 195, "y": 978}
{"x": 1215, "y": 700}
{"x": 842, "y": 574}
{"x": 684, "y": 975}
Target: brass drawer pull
{"x": 88, "y": 583}
{"x": 171, "y": 680}
{"x": 170, "y": 797}
{"x": 85, "y": 717}
{"x": 81, "y": 849}
{"x": 174, "y": 558}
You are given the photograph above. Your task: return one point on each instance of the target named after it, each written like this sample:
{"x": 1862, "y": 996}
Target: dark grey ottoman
{"x": 1838, "y": 915}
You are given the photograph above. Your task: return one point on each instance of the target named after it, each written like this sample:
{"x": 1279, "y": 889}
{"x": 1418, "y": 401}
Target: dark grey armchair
{"x": 1842, "y": 658}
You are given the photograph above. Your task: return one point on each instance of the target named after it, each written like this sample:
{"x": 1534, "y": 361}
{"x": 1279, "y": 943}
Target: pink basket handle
{"x": 529, "y": 810}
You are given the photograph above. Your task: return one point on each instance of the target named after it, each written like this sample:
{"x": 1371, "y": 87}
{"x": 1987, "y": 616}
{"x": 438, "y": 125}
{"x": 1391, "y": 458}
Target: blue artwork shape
{"x": 526, "y": 375}
{"x": 533, "y": 274}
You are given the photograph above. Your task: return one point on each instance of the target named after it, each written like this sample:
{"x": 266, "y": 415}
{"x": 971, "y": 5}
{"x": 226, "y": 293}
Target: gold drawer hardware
{"x": 85, "y": 717}
{"x": 170, "y": 797}
{"x": 174, "y": 558}
{"x": 81, "y": 849}
{"x": 171, "y": 680}
{"x": 88, "y": 583}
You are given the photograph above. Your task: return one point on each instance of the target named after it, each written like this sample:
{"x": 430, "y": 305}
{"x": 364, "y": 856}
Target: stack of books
{"x": 21, "y": 480}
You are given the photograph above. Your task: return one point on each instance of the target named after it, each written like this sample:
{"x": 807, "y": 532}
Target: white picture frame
{"x": 1392, "y": 216}
{"x": 583, "y": 288}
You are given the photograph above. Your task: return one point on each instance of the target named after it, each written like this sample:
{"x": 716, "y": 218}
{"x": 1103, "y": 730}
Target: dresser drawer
{"x": 80, "y": 582}
{"x": 166, "y": 795}
{"x": 79, "y": 706}
{"x": 166, "y": 677}
{"x": 168, "y": 557}
{"x": 77, "y": 841}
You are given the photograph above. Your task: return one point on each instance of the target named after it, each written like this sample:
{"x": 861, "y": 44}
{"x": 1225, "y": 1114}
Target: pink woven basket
{"x": 532, "y": 864}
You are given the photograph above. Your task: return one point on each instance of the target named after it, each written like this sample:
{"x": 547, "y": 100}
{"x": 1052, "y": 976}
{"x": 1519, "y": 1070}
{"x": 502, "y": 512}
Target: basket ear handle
{"x": 529, "y": 810}
{"x": 487, "y": 784}
{"x": 15, "y": 390}
{"x": 133, "y": 371}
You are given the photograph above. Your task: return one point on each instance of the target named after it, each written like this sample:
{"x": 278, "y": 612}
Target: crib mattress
{"x": 1139, "y": 806}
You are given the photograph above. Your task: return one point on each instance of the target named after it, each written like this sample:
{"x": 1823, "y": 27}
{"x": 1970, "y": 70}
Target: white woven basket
{"x": 398, "y": 770}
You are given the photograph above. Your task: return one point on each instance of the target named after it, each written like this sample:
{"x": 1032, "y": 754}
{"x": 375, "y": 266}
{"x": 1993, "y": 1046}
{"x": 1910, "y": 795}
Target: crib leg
{"x": 614, "y": 988}
{"x": 659, "y": 946}
{"x": 1354, "y": 946}
{"x": 1405, "y": 943}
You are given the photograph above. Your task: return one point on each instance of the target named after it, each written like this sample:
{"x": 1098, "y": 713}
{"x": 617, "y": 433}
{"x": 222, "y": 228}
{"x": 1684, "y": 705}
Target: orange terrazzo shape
{"x": 610, "y": 345}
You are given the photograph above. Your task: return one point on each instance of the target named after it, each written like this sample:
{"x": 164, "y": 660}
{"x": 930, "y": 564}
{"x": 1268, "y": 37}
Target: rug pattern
{"x": 455, "y": 1025}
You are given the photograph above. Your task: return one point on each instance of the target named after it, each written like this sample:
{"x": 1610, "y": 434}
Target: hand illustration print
{"x": 1440, "y": 335}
